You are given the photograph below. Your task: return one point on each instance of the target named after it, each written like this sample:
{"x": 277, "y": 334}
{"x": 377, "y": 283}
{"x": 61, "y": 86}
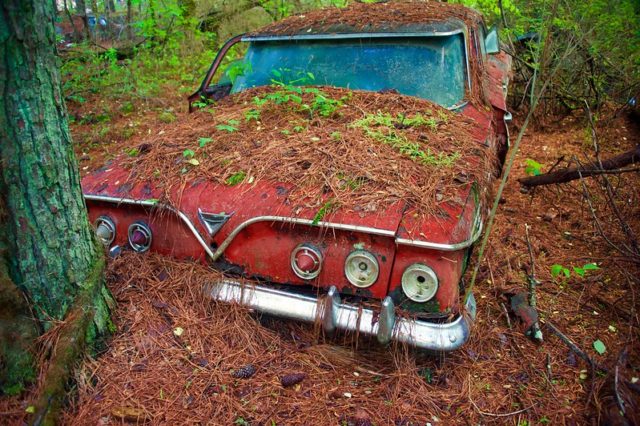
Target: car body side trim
{"x": 477, "y": 229}
{"x": 299, "y": 221}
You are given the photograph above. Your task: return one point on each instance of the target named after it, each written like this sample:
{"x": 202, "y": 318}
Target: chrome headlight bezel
{"x": 142, "y": 227}
{"x": 109, "y": 225}
{"x": 419, "y": 283}
{"x": 361, "y": 268}
{"x": 314, "y": 253}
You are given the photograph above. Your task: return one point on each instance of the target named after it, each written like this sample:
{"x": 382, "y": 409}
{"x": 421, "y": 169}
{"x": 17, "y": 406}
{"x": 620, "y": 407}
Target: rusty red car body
{"x": 252, "y": 232}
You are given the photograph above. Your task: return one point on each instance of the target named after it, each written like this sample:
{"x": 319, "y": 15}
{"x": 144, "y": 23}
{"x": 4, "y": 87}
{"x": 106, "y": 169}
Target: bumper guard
{"x": 334, "y": 314}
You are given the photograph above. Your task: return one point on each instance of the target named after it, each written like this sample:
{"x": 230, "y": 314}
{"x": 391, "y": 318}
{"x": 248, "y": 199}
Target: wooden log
{"x": 610, "y": 165}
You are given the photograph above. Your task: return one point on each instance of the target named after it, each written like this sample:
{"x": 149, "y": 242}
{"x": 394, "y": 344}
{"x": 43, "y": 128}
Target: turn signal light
{"x": 140, "y": 237}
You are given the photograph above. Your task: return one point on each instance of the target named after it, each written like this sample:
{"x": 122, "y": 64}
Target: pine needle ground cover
{"x": 357, "y": 150}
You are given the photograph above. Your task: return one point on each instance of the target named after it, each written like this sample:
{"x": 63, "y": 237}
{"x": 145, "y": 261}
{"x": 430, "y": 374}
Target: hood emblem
{"x": 213, "y": 222}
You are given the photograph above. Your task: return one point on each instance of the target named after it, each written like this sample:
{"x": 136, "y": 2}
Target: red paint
{"x": 263, "y": 249}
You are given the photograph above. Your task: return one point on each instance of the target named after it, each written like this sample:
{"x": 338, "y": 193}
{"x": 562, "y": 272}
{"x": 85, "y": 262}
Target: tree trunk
{"x": 51, "y": 253}
{"x": 110, "y": 6}
{"x": 129, "y": 19}
{"x": 82, "y": 11}
{"x": 76, "y": 34}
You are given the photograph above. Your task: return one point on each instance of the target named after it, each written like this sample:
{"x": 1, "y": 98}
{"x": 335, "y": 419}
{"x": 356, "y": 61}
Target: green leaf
{"x": 187, "y": 153}
{"x": 591, "y": 267}
{"x": 556, "y": 270}
{"x": 193, "y": 162}
{"x": 227, "y": 127}
{"x": 579, "y": 271}
{"x": 202, "y": 142}
{"x": 599, "y": 347}
{"x": 532, "y": 167}
{"x": 30, "y": 409}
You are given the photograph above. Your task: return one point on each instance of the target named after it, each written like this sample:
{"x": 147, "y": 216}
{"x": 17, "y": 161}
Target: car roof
{"x": 399, "y": 17}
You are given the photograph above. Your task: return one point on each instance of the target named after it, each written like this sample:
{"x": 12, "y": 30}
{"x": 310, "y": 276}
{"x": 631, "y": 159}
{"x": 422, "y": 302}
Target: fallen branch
{"x": 612, "y": 165}
{"x": 571, "y": 345}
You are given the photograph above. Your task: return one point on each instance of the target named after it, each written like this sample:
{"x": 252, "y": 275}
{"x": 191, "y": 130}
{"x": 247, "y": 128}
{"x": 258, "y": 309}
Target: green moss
{"x": 18, "y": 332}
{"x": 166, "y": 117}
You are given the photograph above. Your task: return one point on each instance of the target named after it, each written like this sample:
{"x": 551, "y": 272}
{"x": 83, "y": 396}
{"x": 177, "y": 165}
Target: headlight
{"x": 361, "y": 268}
{"x": 306, "y": 261}
{"x": 419, "y": 283}
{"x": 105, "y": 230}
{"x": 140, "y": 237}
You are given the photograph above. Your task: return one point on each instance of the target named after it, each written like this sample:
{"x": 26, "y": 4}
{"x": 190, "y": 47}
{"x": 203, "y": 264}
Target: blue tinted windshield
{"x": 432, "y": 68}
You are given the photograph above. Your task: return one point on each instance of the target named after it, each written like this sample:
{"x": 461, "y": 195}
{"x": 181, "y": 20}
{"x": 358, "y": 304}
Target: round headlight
{"x": 105, "y": 230}
{"x": 306, "y": 261}
{"x": 361, "y": 268}
{"x": 140, "y": 237}
{"x": 419, "y": 283}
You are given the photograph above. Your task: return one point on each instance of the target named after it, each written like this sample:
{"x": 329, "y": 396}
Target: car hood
{"x": 237, "y": 204}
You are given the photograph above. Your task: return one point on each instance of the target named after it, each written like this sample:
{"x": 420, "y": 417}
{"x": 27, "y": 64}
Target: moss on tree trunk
{"x": 51, "y": 254}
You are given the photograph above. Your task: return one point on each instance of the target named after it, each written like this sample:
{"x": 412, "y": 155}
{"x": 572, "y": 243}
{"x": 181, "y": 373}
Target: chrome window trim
{"x": 345, "y": 36}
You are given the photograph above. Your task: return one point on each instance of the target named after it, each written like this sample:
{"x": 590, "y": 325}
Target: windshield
{"x": 432, "y": 68}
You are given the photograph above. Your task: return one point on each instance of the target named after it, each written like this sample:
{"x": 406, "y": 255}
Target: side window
{"x": 483, "y": 36}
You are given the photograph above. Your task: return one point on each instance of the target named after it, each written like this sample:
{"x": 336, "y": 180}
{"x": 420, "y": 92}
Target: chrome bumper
{"x": 334, "y": 314}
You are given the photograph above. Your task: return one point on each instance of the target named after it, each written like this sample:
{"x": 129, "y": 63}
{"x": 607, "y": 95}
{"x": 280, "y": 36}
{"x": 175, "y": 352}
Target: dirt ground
{"x": 177, "y": 358}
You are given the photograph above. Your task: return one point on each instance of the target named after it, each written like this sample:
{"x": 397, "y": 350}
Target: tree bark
{"x": 51, "y": 253}
{"x": 573, "y": 173}
{"x": 110, "y": 6}
{"x": 129, "y": 19}
{"x": 76, "y": 34}
{"x": 81, "y": 7}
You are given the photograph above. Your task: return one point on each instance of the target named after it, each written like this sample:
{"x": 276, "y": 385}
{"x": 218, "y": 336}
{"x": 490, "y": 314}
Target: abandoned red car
{"x": 338, "y": 172}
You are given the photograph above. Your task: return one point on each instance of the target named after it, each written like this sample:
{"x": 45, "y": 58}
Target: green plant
{"x": 532, "y": 167}
{"x": 558, "y": 270}
{"x": 385, "y": 128}
{"x": 326, "y": 209}
{"x": 132, "y": 152}
{"x": 166, "y": 117}
{"x": 252, "y": 114}
{"x": 230, "y": 127}
{"x": 236, "y": 178}
{"x": 202, "y": 142}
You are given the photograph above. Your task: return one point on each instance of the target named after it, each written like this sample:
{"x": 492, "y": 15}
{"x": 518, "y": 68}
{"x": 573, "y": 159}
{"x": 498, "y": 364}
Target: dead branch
{"x": 572, "y": 346}
{"x": 613, "y": 165}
